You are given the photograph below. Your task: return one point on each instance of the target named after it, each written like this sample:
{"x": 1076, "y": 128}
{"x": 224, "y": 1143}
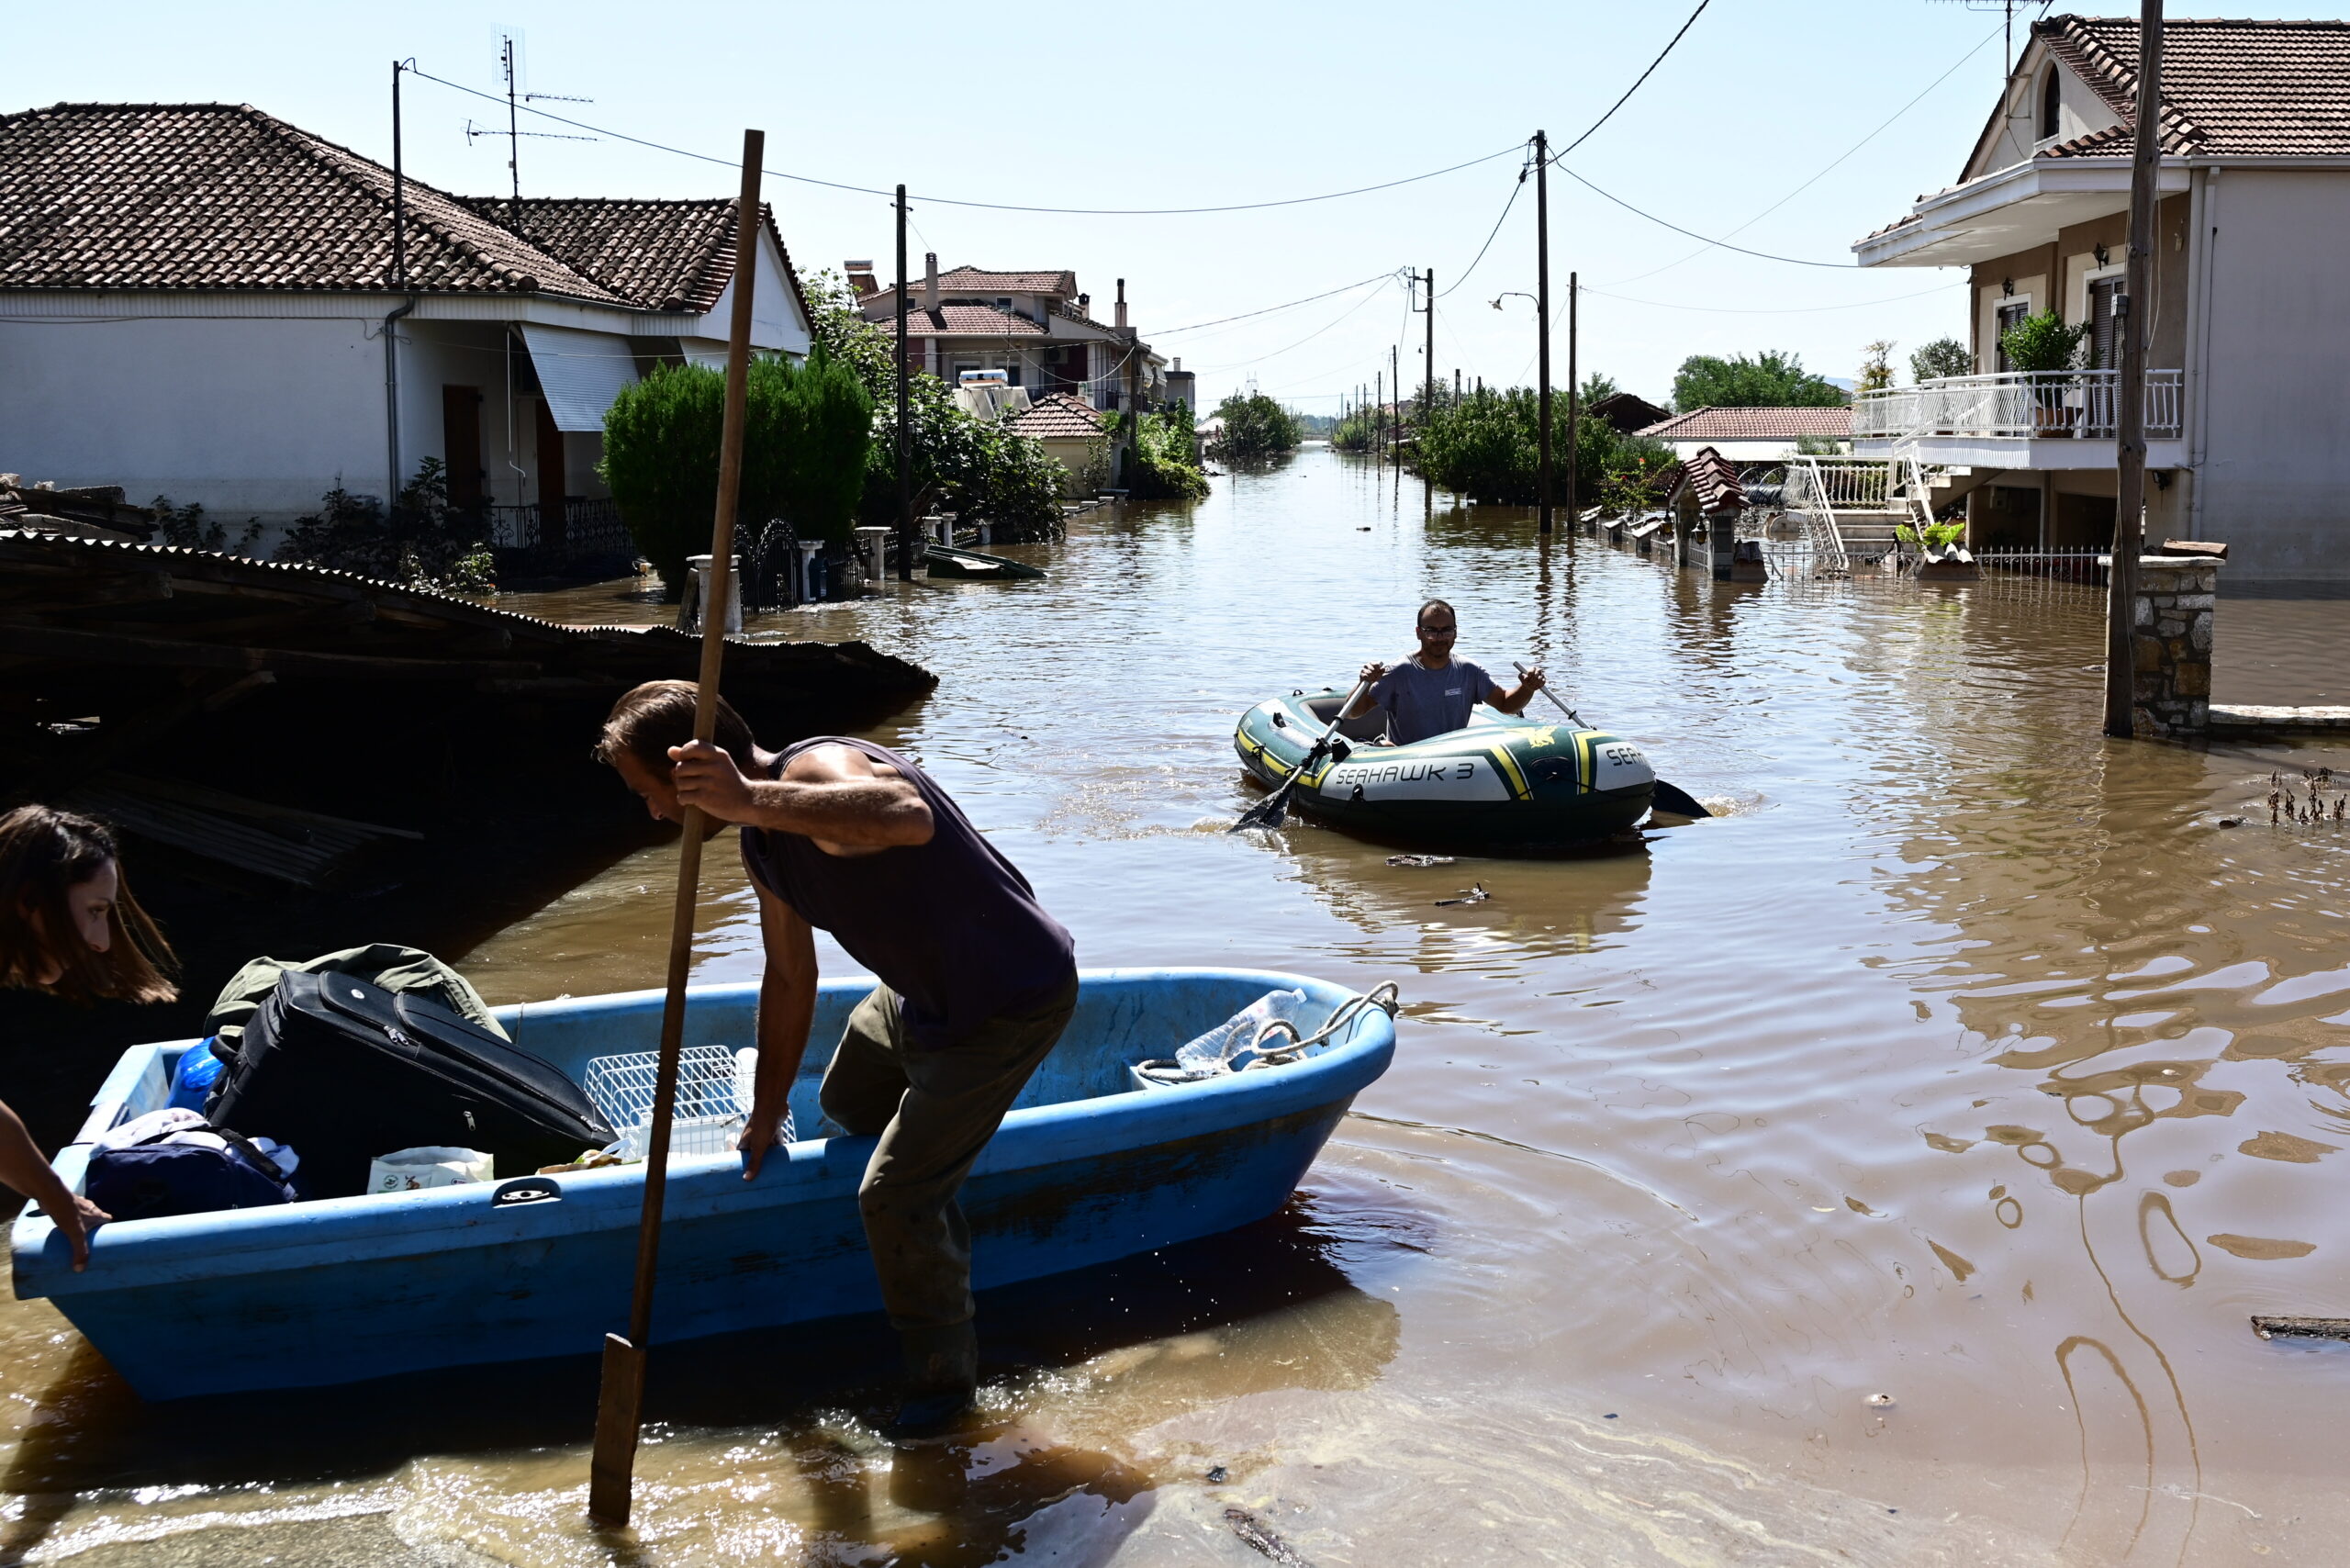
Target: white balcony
{"x": 2063, "y": 418}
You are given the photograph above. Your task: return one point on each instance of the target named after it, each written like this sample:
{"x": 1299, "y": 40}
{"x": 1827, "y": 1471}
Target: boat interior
{"x": 1123, "y": 1018}
{"x": 1371, "y": 726}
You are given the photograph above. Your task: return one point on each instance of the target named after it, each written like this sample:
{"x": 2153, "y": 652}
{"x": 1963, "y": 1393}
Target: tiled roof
{"x": 1712, "y": 478}
{"x": 1751, "y": 424}
{"x": 224, "y": 196}
{"x": 2243, "y": 87}
{"x": 663, "y": 255}
{"x": 1625, "y": 410}
{"x": 1058, "y": 416}
{"x": 964, "y": 321}
{"x": 977, "y": 280}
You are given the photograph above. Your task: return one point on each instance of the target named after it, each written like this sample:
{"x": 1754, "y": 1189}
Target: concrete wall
{"x": 2274, "y": 398}
{"x": 252, "y": 417}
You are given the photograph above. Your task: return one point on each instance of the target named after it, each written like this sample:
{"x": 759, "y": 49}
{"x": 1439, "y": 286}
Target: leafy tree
{"x": 806, "y": 434}
{"x": 1768, "y": 380}
{"x": 1161, "y": 466}
{"x": 1597, "y": 387}
{"x": 1876, "y": 367}
{"x": 969, "y": 465}
{"x": 1943, "y": 357}
{"x": 1356, "y": 432}
{"x": 1487, "y": 447}
{"x": 1255, "y": 426}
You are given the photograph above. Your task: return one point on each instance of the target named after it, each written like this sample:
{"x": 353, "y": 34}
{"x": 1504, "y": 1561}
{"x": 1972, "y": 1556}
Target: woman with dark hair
{"x": 69, "y": 928}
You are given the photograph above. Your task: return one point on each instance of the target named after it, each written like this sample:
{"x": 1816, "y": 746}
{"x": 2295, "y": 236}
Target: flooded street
{"x": 1883, "y": 1172}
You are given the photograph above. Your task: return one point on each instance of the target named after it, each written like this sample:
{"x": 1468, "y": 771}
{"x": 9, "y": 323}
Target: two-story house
{"x": 2246, "y": 416}
{"x": 1035, "y": 326}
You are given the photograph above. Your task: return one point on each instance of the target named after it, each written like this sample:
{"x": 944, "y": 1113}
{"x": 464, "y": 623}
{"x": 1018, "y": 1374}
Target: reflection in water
{"x": 1971, "y": 1065}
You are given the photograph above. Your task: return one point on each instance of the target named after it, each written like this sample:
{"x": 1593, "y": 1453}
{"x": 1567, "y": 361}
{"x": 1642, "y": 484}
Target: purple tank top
{"x": 950, "y": 926}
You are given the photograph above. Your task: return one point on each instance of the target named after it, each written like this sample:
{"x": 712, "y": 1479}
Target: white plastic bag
{"x": 431, "y": 1165}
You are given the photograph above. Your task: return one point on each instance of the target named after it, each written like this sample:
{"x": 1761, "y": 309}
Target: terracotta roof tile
{"x": 663, "y": 255}
{"x": 1752, "y": 424}
{"x": 224, "y": 196}
{"x": 2254, "y": 88}
{"x": 1712, "y": 478}
{"x": 1058, "y": 416}
{"x": 978, "y": 280}
{"x": 964, "y": 321}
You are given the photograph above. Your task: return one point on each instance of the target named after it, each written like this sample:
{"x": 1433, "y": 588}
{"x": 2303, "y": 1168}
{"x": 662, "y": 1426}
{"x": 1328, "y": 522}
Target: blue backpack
{"x": 152, "y": 1179}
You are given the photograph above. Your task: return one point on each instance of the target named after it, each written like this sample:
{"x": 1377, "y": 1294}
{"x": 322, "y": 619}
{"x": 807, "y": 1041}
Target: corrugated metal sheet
{"x": 580, "y": 373}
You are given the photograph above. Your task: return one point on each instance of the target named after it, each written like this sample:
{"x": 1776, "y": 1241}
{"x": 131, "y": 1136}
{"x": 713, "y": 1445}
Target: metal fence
{"x": 584, "y": 528}
{"x": 1998, "y": 571}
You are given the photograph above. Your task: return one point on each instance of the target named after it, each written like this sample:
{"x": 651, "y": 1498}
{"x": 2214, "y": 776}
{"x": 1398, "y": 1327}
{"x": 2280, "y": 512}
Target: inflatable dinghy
{"x": 1503, "y": 782}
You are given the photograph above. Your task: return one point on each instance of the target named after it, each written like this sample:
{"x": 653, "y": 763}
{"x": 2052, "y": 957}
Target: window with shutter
{"x": 2108, "y": 308}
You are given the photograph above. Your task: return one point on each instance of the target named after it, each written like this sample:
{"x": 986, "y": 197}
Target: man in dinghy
{"x": 977, "y": 983}
{"x": 1431, "y": 692}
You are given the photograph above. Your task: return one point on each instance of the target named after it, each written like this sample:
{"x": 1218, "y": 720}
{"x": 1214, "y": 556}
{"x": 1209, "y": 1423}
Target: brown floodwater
{"x": 1883, "y": 1172}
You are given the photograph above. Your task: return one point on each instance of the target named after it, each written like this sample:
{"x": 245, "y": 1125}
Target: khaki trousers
{"x": 933, "y": 1111}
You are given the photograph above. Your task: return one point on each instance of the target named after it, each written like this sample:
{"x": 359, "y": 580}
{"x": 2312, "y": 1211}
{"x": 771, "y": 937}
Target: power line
{"x": 1724, "y": 244}
{"x": 989, "y": 206}
{"x": 1196, "y": 326}
{"x": 1237, "y": 363}
{"x": 1635, "y": 87}
{"x": 1823, "y": 173}
{"x": 1463, "y": 277}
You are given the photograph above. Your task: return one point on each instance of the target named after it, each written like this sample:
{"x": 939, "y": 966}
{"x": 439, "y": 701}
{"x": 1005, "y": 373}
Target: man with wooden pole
{"x": 619, "y": 1409}
{"x": 2130, "y": 421}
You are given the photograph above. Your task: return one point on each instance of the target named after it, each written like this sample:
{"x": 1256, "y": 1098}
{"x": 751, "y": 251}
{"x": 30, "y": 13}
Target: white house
{"x": 1033, "y": 326}
{"x": 2245, "y": 413}
{"x": 1748, "y": 435}
{"x": 201, "y": 301}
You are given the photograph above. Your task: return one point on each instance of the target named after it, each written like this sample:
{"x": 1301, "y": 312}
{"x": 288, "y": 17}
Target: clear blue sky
{"x": 1202, "y": 104}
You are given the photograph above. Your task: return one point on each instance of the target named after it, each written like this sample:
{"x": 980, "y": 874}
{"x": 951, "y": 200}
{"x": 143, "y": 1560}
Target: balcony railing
{"x": 2079, "y": 404}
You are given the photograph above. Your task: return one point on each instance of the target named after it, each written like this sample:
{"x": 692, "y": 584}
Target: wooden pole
{"x": 1575, "y": 405}
{"x": 1542, "y": 304}
{"x": 1428, "y": 370}
{"x": 905, "y": 481}
{"x": 620, "y": 1408}
{"x": 2129, "y": 419}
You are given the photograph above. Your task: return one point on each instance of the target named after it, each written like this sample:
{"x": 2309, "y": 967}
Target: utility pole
{"x": 2129, "y": 424}
{"x": 1379, "y": 414}
{"x": 1430, "y": 366}
{"x": 905, "y": 483}
{"x": 1396, "y": 375}
{"x": 1542, "y": 304}
{"x": 514, "y": 132}
{"x": 1574, "y": 407}
{"x": 399, "y": 187}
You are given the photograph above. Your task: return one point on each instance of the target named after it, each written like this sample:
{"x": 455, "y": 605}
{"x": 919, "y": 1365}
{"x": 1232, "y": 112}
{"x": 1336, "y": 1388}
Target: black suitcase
{"x": 344, "y": 1072}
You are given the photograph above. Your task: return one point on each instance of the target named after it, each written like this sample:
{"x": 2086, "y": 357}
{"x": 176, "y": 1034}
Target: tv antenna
{"x": 509, "y": 61}
{"x": 2008, "y": 8}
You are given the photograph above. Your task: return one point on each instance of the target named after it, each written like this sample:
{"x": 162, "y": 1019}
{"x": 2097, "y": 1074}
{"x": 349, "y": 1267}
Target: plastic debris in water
{"x": 1878, "y": 1401}
{"x": 1218, "y": 1475}
{"x": 1476, "y": 894}
{"x": 1253, "y": 1531}
{"x": 1420, "y": 859}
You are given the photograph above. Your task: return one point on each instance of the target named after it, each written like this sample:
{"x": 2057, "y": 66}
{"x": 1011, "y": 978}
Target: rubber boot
{"x": 942, "y": 1374}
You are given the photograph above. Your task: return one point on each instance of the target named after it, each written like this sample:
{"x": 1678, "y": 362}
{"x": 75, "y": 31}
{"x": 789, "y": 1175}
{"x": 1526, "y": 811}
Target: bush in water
{"x": 1486, "y": 445}
{"x": 1255, "y": 426}
{"x": 807, "y": 433}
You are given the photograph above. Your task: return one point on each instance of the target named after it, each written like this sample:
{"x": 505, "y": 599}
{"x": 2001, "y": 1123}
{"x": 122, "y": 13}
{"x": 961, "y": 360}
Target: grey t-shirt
{"x": 1421, "y": 702}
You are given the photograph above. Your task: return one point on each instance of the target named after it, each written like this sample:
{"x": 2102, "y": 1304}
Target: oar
{"x": 1270, "y": 811}
{"x": 619, "y": 1409}
{"x": 1663, "y": 797}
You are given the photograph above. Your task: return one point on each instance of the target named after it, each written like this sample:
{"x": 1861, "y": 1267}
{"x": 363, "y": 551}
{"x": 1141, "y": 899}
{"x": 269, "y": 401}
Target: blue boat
{"x": 1091, "y": 1165}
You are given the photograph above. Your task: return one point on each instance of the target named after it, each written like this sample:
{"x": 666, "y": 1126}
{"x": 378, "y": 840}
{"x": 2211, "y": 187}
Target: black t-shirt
{"x": 950, "y": 926}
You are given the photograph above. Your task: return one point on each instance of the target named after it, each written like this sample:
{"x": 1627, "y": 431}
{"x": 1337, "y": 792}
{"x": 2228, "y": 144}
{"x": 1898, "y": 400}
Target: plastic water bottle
{"x": 1207, "y": 1055}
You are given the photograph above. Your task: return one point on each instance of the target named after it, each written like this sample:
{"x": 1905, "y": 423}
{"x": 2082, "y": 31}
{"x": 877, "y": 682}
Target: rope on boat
{"x": 1385, "y": 997}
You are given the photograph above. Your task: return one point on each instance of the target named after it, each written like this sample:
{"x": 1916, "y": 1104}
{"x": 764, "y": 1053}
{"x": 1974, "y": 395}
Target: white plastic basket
{"x": 712, "y": 1109}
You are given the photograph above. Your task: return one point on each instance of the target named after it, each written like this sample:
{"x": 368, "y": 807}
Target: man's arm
{"x": 833, "y": 794}
{"x": 1364, "y": 702}
{"x": 1515, "y": 700}
{"x": 786, "y": 1005}
{"x": 22, "y": 1166}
